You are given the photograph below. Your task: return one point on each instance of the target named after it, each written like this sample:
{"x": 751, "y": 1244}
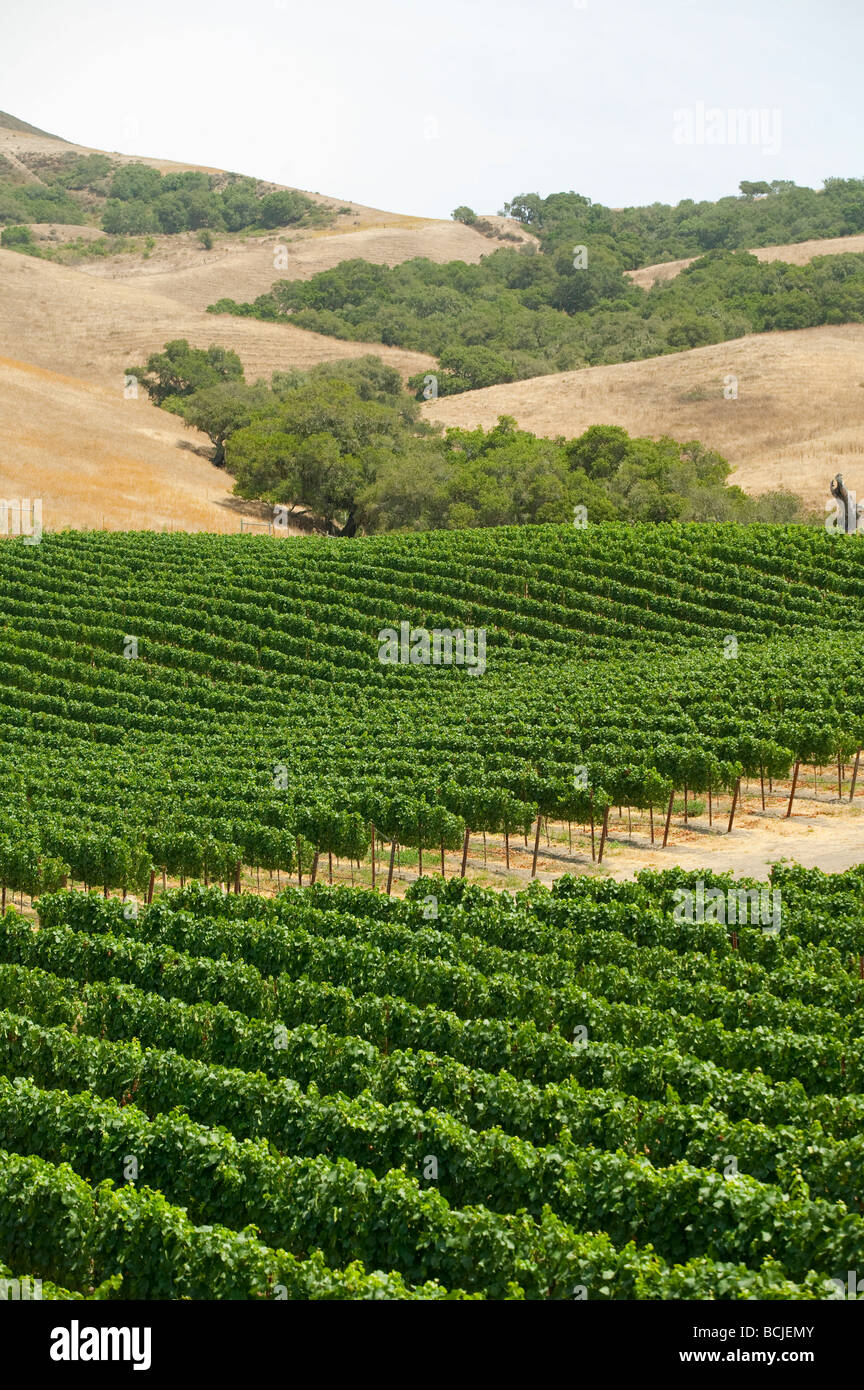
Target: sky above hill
{"x": 419, "y": 105}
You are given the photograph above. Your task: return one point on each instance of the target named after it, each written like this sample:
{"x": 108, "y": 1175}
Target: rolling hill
{"x": 12, "y": 123}
{"x": 795, "y": 423}
{"x": 68, "y": 334}
{"x": 66, "y": 432}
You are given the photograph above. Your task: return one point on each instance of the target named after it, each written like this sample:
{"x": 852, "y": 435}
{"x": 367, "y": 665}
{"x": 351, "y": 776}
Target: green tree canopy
{"x": 180, "y": 370}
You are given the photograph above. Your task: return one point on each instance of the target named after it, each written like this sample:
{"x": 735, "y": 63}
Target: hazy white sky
{"x": 419, "y": 105}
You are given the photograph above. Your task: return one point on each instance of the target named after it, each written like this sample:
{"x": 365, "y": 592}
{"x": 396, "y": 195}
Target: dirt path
{"x": 22, "y": 168}
{"x": 820, "y": 834}
{"x": 829, "y": 840}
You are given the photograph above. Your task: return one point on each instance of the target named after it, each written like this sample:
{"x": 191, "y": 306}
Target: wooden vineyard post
{"x": 442, "y": 859}
{"x": 373, "y": 852}
{"x": 668, "y": 817}
{"x": 762, "y": 785}
{"x": 150, "y": 886}
{"x": 734, "y": 804}
{"x": 839, "y": 779}
{"x": 710, "y": 808}
{"x": 593, "y": 855}
{"x": 390, "y": 870}
{"x": 465, "y": 852}
{"x": 299, "y": 864}
{"x": 314, "y": 867}
{"x": 855, "y": 774}
{"x": 507, "y": 848}
{"x": 685, "y": 803}
{"x": 536, "y": 846}
{"x": 651, "y": 821}
{"x": 420, "y": 855}
{"x": 236, "y": 878}
{"x": 792, "y": 790}
{"x": 603, "y": 835}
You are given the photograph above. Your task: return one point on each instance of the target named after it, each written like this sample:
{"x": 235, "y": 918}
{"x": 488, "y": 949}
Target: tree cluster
{"x": 346, "y": 443}
{"x": 136, "y": 199}
{"x": 518, "y": 314}
{"x": 765, "y": 214}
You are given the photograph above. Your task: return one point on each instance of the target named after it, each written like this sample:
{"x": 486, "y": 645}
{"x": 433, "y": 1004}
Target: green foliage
{"x": 135, "y": 181}
{"x": 259, "y": 727}
{"x": 34, "y": 202}
{"x": 220, "y": 410}
{"x": 765, "y": 214}
{"x": 143, "y": 200}
{"x": 295, "y": 1149}
{"x": 88, "y": 172}
{"x": 82, "y": 1234}
{"x": 317, "y": 438}
{"x": 464, "y": 214}
{"x": 25, "y": 867}
{"x": 344, "y": 441}
{"x": 180, "y": 370}
{"x": 518, "y": 314}
{"x": 135, "y": 199}
{"x": 283, "y": 209}
{"x": 19, "y": 239}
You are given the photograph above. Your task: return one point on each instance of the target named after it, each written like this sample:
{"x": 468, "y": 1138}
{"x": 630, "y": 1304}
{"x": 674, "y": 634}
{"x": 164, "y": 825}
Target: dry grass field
{"x": 242, "y": 268}
{"x": 57, "y": 318}
{"x": 97, "y": 460}
{"x": 68, "y": 334}
{"x": 66, "y": 432}
{"x": 796, "y": 422}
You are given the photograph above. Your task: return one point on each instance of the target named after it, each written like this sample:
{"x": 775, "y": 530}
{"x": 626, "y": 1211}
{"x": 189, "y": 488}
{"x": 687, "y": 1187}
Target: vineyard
{"x": 214, "y": 1086}
{"x": 337, "y": 1095}
{"x": 201, "y": 706}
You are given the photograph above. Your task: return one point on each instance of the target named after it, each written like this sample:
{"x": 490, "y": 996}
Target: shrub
{"x": 16, "y": 236}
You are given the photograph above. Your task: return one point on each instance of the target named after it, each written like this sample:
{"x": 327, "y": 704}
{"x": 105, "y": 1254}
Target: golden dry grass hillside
{"x": 241, "y": 269}
{"x": 797, "y": 420}
{"x": 67, "y": 335}
{"x": 68, "y": 434}
{"x": 97, "y": 460}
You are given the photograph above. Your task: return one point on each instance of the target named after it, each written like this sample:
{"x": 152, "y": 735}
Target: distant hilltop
{"x": 13, "y": 123}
